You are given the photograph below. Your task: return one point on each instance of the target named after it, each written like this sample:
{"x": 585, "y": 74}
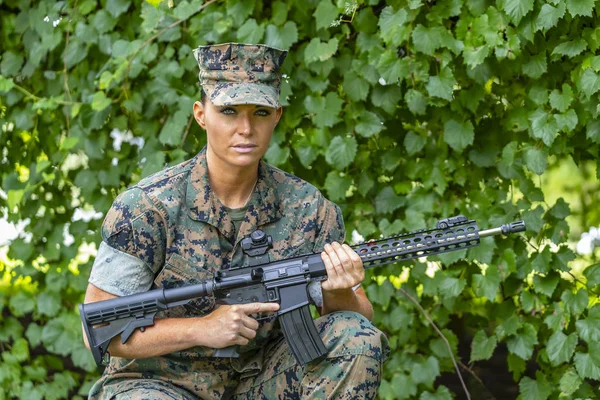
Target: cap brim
{"x": 229, "y": 94}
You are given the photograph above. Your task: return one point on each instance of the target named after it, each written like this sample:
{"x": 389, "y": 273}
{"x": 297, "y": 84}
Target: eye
{"x": 227, "y": 111}
{"x": 262, "y": 112}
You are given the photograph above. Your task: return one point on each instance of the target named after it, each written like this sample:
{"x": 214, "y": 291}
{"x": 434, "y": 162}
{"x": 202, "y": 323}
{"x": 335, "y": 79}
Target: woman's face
{"x": 238, "y": 135}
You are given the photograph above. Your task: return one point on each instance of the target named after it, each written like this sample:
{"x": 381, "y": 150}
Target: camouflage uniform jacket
{"x": 177, "y": 232}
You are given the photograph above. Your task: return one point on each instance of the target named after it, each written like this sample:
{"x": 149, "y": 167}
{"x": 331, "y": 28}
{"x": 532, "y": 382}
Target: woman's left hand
{"x": 344, "y": 267}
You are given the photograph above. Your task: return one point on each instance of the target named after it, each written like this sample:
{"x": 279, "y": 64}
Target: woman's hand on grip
{"x": 230, "y": 325}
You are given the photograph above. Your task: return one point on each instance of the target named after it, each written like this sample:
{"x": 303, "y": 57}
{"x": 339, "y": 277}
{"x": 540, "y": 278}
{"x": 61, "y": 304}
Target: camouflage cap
{"x": 234, "y": 73}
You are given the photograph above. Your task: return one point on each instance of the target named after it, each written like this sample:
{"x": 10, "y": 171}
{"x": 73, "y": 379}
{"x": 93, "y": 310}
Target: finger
{"x": 331, "y": 271}
{"x": 345, "y": 260}
{"x": 252, "y": 308}
{"x": 335, "y": 260}
{"x": 357, "y": 268}
{"x": 250, "y": 323}
{"x": 247, "y": 333}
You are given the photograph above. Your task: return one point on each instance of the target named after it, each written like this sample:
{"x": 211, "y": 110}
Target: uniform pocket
{"x": 178, "y": 272}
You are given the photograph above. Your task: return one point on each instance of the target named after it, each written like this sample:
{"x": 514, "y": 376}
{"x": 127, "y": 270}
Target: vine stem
{"x": 416, "y": 303}
{"x": 153, "y": 37}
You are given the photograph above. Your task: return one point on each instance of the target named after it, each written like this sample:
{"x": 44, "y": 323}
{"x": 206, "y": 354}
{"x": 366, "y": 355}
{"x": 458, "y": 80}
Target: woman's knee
{"x": 348, "y": 332}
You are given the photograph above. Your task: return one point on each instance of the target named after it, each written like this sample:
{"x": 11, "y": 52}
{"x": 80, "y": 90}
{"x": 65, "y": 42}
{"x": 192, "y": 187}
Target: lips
{"x": 244, "y": 148}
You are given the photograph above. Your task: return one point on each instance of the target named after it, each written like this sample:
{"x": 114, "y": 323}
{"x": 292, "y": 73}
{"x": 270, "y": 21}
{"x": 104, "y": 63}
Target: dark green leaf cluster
{"x": 401, "y": 111}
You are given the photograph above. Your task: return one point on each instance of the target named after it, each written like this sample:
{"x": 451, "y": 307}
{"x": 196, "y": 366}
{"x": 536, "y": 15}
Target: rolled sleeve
{"x": 119, "y": 273}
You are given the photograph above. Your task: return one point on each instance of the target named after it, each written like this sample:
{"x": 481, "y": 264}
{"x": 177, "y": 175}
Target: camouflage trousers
{"x": 351, "y": 370}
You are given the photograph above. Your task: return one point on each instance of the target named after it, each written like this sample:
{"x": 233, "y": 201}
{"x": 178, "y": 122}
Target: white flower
{"x": 357, "y": 237}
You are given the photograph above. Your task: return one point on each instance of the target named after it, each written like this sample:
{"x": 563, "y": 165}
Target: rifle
{"x": 284, "y": 282}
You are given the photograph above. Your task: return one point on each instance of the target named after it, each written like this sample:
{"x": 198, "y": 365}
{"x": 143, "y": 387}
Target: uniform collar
{"x": 203, "y": 204}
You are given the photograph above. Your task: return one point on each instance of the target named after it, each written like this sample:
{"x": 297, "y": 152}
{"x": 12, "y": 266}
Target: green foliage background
{"x": 403, "y": 112}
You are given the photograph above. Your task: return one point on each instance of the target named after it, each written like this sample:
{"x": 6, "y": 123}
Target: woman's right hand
{"x": 231, "y": 325}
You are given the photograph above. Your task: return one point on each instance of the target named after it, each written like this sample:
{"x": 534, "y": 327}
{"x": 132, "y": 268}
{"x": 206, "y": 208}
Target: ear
{"x": 199, "y": 114}
{"x": 278, "y": 113}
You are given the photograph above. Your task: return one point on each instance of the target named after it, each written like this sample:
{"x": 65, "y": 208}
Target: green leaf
{"x": 100, "y": 101}
{"x": 341, "y": 152}
{"x": 482, "y": 346}
{"x": 284, "y": 37}
{"x": 442, "y": 393}
{"x": 11, "y": 63}
{"x": 593, "y": 132}
{"x": 427, "y": 40}
{"x": 48, "y": 303}
{"x": 6, "y": 84}
{"x": 561, "y": 101}
{"x": 426, "y": 372}
{"x": 522, "y": 343}
{"x": 570, "y": 48}
{"x": 487, "y": 285}
{"x": 536, "y": 160}
{"x": 279, "y": 12}
{"x": 21, "y": 303}
{"x": 328, "y": 115}
{"x": 355, "y": 87}
{"x": 592, "y": 273}
{"x": 534, "y": 221}
{"x": 451, "y": 287}
{"x": 560, "y": 347}
{"x": 369, "y": 124}
{"x": 325, "y": 14}
{"x": 484, "y": 252}
{"x": 117, "y": 7}
{"x": 549, "y": 15}
{"x": 390, "y": 21}
{"x": 546, "y": 284}
{"x": 575, "y": 303}
{"x": 34, "y": 334}
{"x": 538, "y": 389}
{"x": 414, "y": 143}
{"x": 586, "y": 368}
{"x": 172, "y": 131}
{"x": 580, "y": 7}
{"x": 277, "y": 155}
{"x": 60, "y": 334}
{"x": 570, "y": 382}
{"x": 556, "y": 318}
{"x": 442, "y": 85}
{"x": 20, "y": 350}
{"x": 14, "y": 198}
{"x": 536, "y": 66}
{"x": 387, "y": 201}
{"x": 416, "y": 102}
{"x": 590, "y": 82}
{"x": 516, "y": 365}
{"x": 251, "y": 32}
{"x": 567, "y": 121}
{"x": 458, "y": 135}
{"x": 83, "y": 359}
{"x": 517, "y": 9}
{"x": 337, "y": 185}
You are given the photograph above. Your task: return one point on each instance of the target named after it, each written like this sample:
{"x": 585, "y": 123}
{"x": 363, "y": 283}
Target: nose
{"x": 244, "y": 125}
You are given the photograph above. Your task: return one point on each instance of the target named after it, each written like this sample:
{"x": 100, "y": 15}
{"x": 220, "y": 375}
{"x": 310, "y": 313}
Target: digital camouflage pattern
{"x": 234, "y": 73}
{"x": 351, "y": 370}
{"x": 182, "y": 234}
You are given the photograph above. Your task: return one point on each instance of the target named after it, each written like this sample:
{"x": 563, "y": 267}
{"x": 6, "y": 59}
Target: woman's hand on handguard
{"x": 345, "y": 270}
{"x": 232, "y": 325}
{"x": 344, "y": 267}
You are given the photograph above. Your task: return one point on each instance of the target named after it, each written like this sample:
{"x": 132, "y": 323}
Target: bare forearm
{"x": 347, "y": 300}
{"x": 164, "y": 337}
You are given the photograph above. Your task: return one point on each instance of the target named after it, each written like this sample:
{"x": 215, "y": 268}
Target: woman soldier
{"x": 183, "y": 224}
